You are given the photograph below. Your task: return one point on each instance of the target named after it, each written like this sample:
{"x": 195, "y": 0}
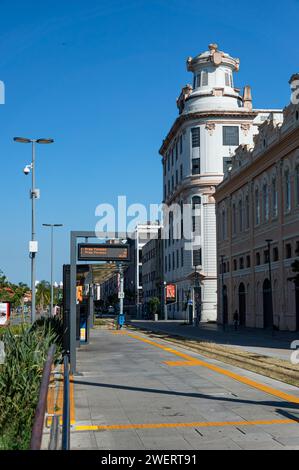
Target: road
{"x": 133, "y": 392}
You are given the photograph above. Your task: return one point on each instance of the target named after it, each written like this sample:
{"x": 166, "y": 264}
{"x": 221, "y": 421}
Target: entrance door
{"x": 267, "y": 303}
{"x": 297, "y": 302}
{"x": 242, "y": 305}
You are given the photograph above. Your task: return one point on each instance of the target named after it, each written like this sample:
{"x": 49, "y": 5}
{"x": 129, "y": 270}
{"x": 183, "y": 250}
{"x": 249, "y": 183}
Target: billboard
{"x": 103, "y": 252}
{"x": 4, "y": 313}
{"x": 170, "y": 293}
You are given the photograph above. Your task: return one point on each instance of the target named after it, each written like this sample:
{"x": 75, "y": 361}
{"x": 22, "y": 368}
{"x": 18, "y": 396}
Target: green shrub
{"x": 20, "y": 379}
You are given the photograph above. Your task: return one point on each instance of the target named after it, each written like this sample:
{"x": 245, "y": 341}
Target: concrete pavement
{"x": 137, "y": 393}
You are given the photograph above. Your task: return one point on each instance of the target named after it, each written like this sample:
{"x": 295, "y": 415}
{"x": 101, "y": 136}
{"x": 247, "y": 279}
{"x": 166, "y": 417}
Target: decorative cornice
{"x": 210, "y": 127}
{"x": 251, "y": 115}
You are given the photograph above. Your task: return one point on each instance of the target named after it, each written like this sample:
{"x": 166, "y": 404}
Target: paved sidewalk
{"x": 266, "y": 343}
{"x": 133, "y": 393}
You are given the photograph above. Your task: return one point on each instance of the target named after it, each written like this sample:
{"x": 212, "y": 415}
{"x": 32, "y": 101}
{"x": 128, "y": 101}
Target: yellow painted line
{"x": 181, "y": 363}
{"x": 124, "y": 427}
{"x": 220, "y": 370}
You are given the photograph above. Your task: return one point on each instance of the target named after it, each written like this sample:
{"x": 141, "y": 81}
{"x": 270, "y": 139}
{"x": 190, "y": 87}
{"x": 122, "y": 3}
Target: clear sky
{"x": 101, "y": 77}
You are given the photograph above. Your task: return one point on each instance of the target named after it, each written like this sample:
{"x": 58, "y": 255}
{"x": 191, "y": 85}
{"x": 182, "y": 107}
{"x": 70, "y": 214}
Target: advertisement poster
{"x": 4, "y": 313}
{"x": 171, "y": 293}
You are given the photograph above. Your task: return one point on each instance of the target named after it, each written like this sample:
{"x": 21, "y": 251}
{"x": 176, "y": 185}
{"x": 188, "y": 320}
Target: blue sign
{"x": 190, "y": 302}
{"x": 121, "y": 320}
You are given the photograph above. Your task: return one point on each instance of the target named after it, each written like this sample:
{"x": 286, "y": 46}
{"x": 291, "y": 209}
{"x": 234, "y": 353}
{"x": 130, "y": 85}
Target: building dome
{"x": 213, "y": 83}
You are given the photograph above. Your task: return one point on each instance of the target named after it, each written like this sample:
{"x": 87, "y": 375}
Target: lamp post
{"x": 269, "y": 241}
{"x": 33, "y": 246}
{"x": 52, "y": 226}
{"x": 222, "y": 282}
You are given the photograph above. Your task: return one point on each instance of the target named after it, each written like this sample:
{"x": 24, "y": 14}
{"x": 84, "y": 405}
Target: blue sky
{"x": 101, "y": 78}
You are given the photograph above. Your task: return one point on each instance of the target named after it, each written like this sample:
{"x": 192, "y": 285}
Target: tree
{"x": 154, "y": 305}
{"x": 43, "y": 294}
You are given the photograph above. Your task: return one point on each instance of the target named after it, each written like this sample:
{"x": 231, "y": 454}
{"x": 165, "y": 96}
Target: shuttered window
{"x": 231, "y": 136}
{"x": 195, "y": 134}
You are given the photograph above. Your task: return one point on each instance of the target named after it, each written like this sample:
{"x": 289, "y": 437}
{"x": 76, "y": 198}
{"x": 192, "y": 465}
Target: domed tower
{"x": 214, "y": 119}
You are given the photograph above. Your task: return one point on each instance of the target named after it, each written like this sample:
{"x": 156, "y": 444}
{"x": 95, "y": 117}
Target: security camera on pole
{"x": 34, "y": 194}
{"x": 121, "y": 296}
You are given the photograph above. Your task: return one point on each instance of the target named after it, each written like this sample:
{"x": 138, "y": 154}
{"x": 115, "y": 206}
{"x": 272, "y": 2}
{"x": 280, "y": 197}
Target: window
{"x": 182, "y": 257}
{"x": 234, "y": 219}
{"x": 265, "y": 202}
{"x": 288, "y": 251}
{"x": 196, "y": 202}
{"x": 197, "y": 260}
{"x": 164, "y": 167}
{"x": 227, "y": 79}
{"x": 169, "y": 262}
{"x": 247, "y": 211}
{"x": 248, "y": 261}
{"x": 240, "y": 215}
{"x": 275, "y": 254}
{"x": 257, "y": 259}
{"x": 274, "y": 198}
{"x": 176, "y": 177}
{"x": 172, "y": 154}
{"x": 266, "y": 256}
{"x": 227, "y": 164}
{"x": 181, "y": 144}
{"x": 196, "y": 166}
{"x": 176, "y": 150}
{"x": 257, "y": 207}
{"x": 168, "y": 161}
{"x": 195, "y": 135}
{"x": 164, "y": 191}
{"x": 231, "y": 136}
{"x": 181, "y": 172}
{"x": 177, "y": 258}
{"x": 172, "y": 183}
{"x": 168, "y": 186}
{"x": 297, "y": 184}
{"x": 235, "y": 265}
{"x": 196, "y": 82}
{"x": 224, "y": 231}
{"x": 287, "y": 184}
{"x": 204, "y": 78}
{"x": 241, "y": 263}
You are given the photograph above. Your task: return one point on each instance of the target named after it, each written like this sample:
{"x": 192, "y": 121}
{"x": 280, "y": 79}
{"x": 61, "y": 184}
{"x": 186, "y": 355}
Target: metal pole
{"x": 52, "y": 263}
{"x": 73, "y": 313}
{"x": 33, "y": 196}
{"x": 66, "y": 425}
{"x": 222, "y": 279}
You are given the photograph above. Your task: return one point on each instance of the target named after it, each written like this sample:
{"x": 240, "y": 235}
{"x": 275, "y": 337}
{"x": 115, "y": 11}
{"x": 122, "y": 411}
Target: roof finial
{"x": 213, "y": 47}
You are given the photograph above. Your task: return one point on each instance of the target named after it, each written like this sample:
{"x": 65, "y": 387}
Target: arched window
{"x": 257, "y": 207}
{"x": 274, "y": 197}
{"x": 265, "y": 202}
{"x": 287, "y": 187}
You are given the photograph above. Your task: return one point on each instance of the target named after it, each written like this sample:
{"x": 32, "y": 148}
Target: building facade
{"x": 214, "y": 119}
{"x": 258, "y": 228}
{"x": 152, "y": 269}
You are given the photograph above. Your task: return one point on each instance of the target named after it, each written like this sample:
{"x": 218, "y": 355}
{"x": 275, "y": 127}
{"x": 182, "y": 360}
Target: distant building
{"x": 214, "y": 119}
{"x": 259, "y": 201}
{"x": 133, "y": 276}
{"x": 152, "y": 269}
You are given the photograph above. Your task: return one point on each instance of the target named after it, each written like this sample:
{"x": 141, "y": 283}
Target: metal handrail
{"x": 38, "y": 426}
{"x": 66, "y": 421}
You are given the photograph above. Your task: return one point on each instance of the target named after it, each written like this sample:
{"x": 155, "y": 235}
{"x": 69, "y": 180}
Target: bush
{"x": 20, "y": 379}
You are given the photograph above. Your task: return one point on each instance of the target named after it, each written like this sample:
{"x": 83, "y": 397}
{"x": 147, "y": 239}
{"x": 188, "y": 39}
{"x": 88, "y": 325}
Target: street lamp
{"x": 269, "y": 241}
{"x": 33, "y": 246}
{"x": 52, "y": 226}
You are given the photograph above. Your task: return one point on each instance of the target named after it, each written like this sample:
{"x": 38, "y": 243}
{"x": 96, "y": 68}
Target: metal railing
{"x": 38, "y": 426}
{"x": 66, "y": 421}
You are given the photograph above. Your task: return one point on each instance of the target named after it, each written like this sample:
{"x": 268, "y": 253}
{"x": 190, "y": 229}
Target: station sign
{"x": 4, "y": 313}
{"x": 103, "y": 252}
{"x": 171, "y": 293}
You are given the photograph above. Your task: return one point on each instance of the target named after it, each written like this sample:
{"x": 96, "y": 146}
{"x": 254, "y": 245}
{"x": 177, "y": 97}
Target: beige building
{"x": 257, "y": 206}
{"x": 152, "y": 269}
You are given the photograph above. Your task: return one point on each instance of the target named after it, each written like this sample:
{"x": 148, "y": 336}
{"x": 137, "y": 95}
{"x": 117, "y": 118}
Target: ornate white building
{"x": 214, "y": 119}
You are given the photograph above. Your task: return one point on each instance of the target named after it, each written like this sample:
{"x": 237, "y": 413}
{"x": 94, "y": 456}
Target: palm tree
{"x": 43, "y": 294}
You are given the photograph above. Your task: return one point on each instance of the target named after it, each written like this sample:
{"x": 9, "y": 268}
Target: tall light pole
{"x": 33, "y": 246}
{"x": 52, "y": 226}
